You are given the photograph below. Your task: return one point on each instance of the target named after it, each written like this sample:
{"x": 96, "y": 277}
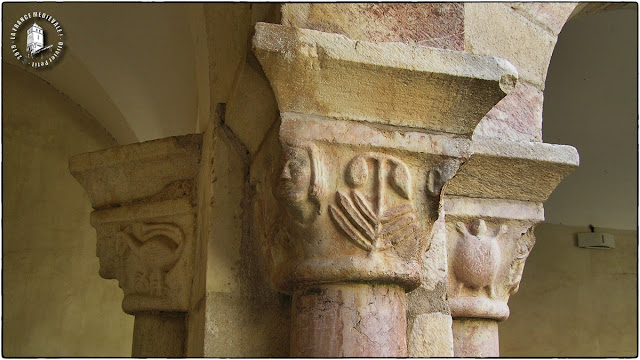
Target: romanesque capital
{"x": 368, "y": 134}
{"x": 355, "y": 204}
{"x": 491, "y": 208}
{"x": 144, "y": 200}
{"x": 367, "y": 138}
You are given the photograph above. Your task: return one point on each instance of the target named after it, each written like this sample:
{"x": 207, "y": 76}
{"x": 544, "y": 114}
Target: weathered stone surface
{"x": 159, "y": 335}
{"x": 549, "y": 15}
{"x": 488, "y": 241}
{"x": 251, "y": 109}
{"x": 317, "y": 73}
{"x": 354, "y": 203}
{"x": 493, "y": 208}
{"x": 517, "y": 117}
{"x": 145, "y": 220}
{"x": 245, "y": 317}
{"x": 475, "y": 338}
{"x": 241, "y": 326}
{"x": 496, "y": 29}
{"x": 431, "y": 336}
{"x": 438, "y": 25}
{"x": 149, "y": 249}
{"x": 513, "y": 170}
{"x": 226, "y": 213}
{"x": 349, "y": 320}
{"x": 159, "y": 168}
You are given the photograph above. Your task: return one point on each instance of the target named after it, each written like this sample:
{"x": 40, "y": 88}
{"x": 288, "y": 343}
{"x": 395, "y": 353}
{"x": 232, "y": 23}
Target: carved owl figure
{"x": 477, "y": 257}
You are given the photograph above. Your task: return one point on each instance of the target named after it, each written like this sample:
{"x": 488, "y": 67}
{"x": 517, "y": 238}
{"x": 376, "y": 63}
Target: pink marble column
{"x": 475, "y": 338}
{"x": 349, "y": 320}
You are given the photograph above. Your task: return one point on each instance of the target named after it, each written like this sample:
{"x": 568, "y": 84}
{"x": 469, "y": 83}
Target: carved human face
{"x": 106, "y": 255}
{"x": 295, "y": 177}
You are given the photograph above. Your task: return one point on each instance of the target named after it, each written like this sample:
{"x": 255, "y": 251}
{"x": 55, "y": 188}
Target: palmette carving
{"x": 376, "y": 219}
{"x": 157, "y": 248}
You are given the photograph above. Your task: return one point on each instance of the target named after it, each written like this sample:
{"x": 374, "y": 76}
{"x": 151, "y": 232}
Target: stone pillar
{"x": 490, "y": 209}
{"x": 368, "y": 134}
{"x": 144, "y": 200}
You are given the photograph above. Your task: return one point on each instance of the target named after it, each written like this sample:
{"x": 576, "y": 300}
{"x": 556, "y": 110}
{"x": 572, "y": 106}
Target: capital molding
{"x": 144, "y": 200}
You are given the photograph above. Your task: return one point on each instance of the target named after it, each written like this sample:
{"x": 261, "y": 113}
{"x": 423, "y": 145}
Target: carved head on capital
{"x": 300, "y": 181}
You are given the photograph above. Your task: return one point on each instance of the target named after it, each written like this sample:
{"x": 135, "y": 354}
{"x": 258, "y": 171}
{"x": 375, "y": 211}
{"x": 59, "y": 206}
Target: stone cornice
{"x": 149, "y": 171}
{"x": 527, "y": 171}
{"x": 325, "y": 74}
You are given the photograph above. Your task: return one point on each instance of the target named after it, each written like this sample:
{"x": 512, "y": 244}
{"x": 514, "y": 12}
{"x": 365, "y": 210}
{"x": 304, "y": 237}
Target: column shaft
{"x": 475, "y": 338}
{"x": 349, "y": 320}
{"x": 160, "y": 334}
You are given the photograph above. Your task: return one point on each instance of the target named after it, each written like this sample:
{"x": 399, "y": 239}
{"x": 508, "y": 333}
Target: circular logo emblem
{"x": 37, "y": 39}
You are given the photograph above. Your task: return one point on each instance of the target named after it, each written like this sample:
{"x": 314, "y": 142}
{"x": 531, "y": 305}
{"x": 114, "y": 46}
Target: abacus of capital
{"x": 392, "y": 229}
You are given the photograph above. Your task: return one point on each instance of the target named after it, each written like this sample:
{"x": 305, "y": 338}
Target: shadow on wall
{"x": 50, "y": 271}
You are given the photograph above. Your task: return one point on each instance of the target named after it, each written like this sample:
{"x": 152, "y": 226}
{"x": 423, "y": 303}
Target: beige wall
{"x": 591, "y": 102}
{"x": 54, "y": 302}
{"x": 574, "y": 301}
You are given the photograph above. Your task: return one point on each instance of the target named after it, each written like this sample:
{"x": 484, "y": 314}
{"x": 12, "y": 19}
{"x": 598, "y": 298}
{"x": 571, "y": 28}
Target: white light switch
{"x": 596, "y": 240}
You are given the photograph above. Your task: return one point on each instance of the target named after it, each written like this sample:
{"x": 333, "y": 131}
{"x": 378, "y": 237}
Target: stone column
{"x": 491, "y": 207}
{"x": 368, "y": 134}
{"x": 144, "y": 200}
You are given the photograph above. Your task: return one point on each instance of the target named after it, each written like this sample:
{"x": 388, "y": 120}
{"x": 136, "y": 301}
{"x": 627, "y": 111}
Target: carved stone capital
{"x": 149, "y": 249}
{"x": 352, "y": 211}
{"x": 488, "y": 242}
{"x": 365, "y": 150}
{"x": 143, "y": 196}
{"x": 491, "y": 207}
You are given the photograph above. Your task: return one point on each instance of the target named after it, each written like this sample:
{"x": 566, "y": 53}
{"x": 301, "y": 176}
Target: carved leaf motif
{"x": 368, "y": 230}
{"x": 364, "y": 208}
{"x": 400, "y": 180}
{"x": 356, "y": 218}
{"x": 346, "y": 226}
{"x": 357, "y": 172}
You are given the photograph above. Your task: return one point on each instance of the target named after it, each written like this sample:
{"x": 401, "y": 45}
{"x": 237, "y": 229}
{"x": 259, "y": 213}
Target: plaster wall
{"x": 575, "y": 302}
{"x": 591, "y": 102}
{"x": 54, "y": 303}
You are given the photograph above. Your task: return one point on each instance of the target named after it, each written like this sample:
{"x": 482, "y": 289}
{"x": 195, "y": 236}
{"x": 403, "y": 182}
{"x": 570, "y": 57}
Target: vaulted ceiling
{"x": 131, "y": 66}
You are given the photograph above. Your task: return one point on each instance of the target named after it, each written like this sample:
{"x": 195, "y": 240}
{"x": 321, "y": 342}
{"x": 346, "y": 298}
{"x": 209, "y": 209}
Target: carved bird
{"x": 158, "y": 247}
{"x": 477, "y": 257}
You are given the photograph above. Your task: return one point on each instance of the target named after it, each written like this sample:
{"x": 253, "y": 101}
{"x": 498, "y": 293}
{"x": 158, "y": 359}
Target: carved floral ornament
{"x": 477, "y": 257}
{"x": 343, "y": 214}
{"x": 486, "y": 262}
{"x": 376, "y": 212}
{"x": 372, "y": 218}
